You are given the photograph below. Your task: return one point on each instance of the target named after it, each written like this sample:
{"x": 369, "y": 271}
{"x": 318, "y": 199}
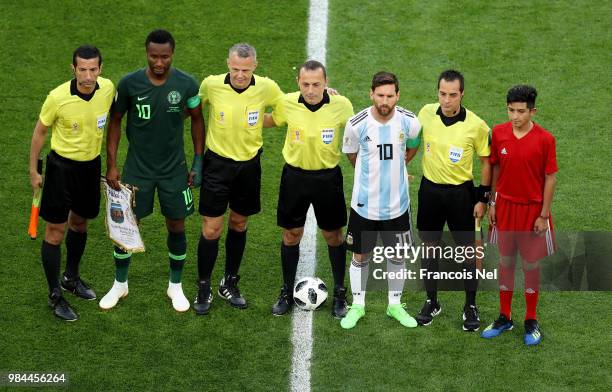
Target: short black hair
{"x": 160, "y": 36}
{"x": 449, "y": 75}
{"x": 312, "y": 65}
{"x": 383, "y": 77}
{"x": 522, "y": 93}
{"x": 86, "y": 52}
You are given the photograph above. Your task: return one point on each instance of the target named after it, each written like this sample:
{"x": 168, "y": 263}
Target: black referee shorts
{"x": 443, "y": 203}
{"x": 70, "y": 186}
{"x": 322, "y": 188}
{"x": 225, "y": 181}
{"x": 362, "y": 233}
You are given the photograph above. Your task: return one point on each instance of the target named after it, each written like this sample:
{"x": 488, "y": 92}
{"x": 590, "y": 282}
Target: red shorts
{"x": 513, "y": 231}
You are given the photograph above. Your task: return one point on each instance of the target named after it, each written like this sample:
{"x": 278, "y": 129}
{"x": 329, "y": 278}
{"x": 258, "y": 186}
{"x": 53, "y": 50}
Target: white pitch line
{"x": 301, "y": 334}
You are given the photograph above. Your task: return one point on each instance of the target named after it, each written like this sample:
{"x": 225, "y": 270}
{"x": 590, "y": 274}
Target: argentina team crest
{"x": 116, "y": 213}
{"x": 455, "y": 154}
{"x": 174, "y": 97}
{"x": 253, "y": 117}
{"x": 327, "y": 135}
{"x": 349, "y": 239}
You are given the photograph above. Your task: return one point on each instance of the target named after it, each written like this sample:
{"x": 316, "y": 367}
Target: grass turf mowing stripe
{"x": 301, "y": 325}
{"x": 301, "y": 335}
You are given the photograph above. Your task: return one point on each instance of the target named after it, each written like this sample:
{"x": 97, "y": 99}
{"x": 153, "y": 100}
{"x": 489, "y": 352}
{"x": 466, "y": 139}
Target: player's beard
{"x": 160, "y": 71}
{"x": 384, "y": 110}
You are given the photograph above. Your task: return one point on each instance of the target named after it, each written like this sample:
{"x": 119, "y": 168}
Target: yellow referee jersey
{"x": 313, "y": 138}
{"x": 236, "y": 119}
{"x": 449, "y": 151}
{"x": 77, "y": 126}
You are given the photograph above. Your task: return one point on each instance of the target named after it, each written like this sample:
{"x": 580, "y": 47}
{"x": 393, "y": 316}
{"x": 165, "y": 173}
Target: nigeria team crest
{"x": 174, "y": 97}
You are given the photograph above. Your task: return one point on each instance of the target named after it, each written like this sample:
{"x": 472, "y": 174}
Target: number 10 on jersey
{"x": 188, "y": 196}
{"x": 144, "y": 111}
{"x": 385, "y": 151}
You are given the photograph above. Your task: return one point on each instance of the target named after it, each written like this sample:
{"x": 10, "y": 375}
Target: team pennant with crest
{"x": 121, "y": 224}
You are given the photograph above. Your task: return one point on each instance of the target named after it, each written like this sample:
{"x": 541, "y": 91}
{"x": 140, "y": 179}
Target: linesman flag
{"x": 479, "y": 241}
{"x": 33, "y": 225}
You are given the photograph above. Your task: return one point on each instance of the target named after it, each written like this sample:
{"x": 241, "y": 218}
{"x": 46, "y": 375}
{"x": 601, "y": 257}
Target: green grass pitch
{"x": 563, "y": 48}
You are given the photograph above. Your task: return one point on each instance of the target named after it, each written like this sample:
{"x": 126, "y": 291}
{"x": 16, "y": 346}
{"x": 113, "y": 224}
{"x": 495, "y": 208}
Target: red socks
{"x": 505, "y": 303}
{"x": 532, "y": 289}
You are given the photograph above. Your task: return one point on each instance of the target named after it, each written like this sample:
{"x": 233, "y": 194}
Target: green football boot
{"x": 397, "y": 312}
{"x": 352, "y": 316}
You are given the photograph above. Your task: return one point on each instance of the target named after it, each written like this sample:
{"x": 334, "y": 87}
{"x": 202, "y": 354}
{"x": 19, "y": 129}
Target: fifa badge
{"x": 252, "y": 118}
{"x": 327, "y": 135}
{"x": 455, "y": 154}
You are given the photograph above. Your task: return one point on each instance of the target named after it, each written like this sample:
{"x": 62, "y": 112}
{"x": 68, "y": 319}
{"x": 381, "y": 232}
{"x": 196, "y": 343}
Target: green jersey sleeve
{"x": 193, "y": 97}
{"x": 122, "y": 98}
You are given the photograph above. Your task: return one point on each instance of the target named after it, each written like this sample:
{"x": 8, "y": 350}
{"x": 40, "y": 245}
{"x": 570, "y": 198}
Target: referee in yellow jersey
{"x": 76, "y": 111}
{"x": 231, "y": 174}
{"x": 311, "y": 175}
{"x": 452, "y": 137}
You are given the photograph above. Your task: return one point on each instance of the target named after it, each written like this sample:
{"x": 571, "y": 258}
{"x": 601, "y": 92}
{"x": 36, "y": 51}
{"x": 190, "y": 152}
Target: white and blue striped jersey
{"x": 380, "y": 188}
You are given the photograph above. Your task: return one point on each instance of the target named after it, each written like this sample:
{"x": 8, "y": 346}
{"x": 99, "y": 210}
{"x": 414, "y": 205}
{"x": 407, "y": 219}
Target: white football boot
{"x": 180, "y": 303}
{"x": 118, "y": 291}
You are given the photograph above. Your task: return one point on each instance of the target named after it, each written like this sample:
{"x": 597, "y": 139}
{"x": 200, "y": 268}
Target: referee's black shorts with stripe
{"x": 445, "y": 203}
{"x": 70, "y": 186}
{"x": 300, "y": 188}
{"x": 362, "y": 233}
{"x": 225, "y": 181}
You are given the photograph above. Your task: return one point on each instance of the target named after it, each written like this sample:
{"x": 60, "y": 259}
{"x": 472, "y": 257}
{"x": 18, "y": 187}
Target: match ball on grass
{"x": 310, "y": 293}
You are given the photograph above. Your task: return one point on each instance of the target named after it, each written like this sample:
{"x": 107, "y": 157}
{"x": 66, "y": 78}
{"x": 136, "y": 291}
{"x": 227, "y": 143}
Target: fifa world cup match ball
{"x": 310, "y": 293}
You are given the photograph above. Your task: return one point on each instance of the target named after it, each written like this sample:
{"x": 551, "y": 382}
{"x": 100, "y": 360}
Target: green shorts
{"x": 175, "y": 196}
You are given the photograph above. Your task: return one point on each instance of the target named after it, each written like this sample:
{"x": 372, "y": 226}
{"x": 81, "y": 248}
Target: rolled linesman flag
{"x": 33, "y": 226}
{"x": 479, "y": 241}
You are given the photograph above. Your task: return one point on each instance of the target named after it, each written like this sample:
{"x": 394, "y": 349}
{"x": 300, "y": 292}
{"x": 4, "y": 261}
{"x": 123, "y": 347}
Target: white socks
{"x": 395, "y": 268}
{"x": 358, "y": 273}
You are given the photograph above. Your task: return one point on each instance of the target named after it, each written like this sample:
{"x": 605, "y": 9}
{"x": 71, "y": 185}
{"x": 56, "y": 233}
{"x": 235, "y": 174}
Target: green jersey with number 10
{"x": 155, "y": 116}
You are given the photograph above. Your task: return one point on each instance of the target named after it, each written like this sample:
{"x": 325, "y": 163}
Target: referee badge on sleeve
{"x": 327, "y": 135}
